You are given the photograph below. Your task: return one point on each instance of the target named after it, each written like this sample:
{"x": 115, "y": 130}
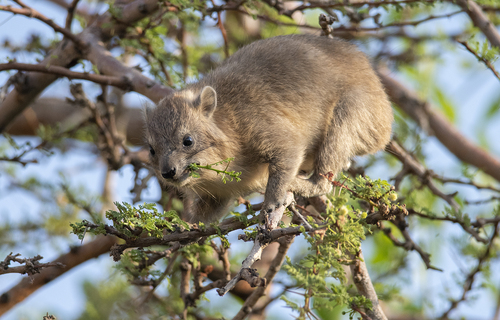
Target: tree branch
{"x": 365, "y": 287}
{"x": 29, "y": 266}
{"x": 285, "y": 243}
{"x": 32, "y": 13}
{"x": 481, "y": 21}
{"x": 435, "y": 124}
{"x": 121, "y": 83}
{"x": 71, "y": 12}
{"x": 411, "y": 164}
{"x": 30, "y": 85}
{"x": 107, "y": 64}
{"x": 73, "y": 258}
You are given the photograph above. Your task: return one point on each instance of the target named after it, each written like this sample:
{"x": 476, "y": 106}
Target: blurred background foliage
{"x": 59, "y": 173}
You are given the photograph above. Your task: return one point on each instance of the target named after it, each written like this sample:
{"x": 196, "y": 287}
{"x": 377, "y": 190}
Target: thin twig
{"x": 167, "y": 271}
{"x": 71, "y": 12}
{"x": 121, "y": 83}
{"x": 410, "y": 164}
{"x": 469, "y": 280}
{"x": 297, "y": 213}
{"x": 32, "y": 13}
{"x": 463, "y": 224}
{"x": 370, "y": 4}
{"x": 223, "y": 32}
{"x": 486, "y": 62}
{"x": 410, "y": 245}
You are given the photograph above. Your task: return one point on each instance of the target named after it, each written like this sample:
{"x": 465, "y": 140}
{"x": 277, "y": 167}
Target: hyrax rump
{"x": 288, "y": 109}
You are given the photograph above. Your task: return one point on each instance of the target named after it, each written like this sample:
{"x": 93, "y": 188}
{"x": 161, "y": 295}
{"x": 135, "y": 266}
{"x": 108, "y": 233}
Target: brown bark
{"x": 480, "y": 20}
{"x": 435, "y": 124}
{"x": 365, "y": 287}
{"x": 50, "y": 111}
{"x": 108, "y": 65}
{"x": 285, "y": 243}
{"x": 64, "y": 72}
{"x": 31, "y": 84}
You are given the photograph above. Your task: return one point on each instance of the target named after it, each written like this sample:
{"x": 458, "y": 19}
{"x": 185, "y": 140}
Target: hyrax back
{"x": 285, "y": 108}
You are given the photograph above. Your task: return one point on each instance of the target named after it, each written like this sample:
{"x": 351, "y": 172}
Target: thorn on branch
{"x": 325, "y": 22}
{"x": 30, "y": 266}
{"x": 21, "y": 82}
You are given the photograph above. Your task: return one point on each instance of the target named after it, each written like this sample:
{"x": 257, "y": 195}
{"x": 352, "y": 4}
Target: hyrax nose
{"x": 169, "y": 174}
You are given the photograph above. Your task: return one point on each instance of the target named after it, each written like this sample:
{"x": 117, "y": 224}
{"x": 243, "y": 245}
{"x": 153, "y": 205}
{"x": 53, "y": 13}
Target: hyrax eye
{"x": 188, "y": 141}
{"x": 151, "y": 150}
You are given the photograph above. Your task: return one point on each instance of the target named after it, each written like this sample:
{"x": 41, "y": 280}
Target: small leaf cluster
{"x": 332, "y": 245}
{"x": 225, "y": 174}
{"x": 144, "y": 218}
{"x": 378, "y": 194}
{"x": 133, "y": 222}
{"x": 485, "y": 50}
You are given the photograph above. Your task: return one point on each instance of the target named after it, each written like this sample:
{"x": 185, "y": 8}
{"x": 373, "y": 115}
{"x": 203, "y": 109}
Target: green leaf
{"x": 445, "y": 104}
{"x": 493, "y": 109}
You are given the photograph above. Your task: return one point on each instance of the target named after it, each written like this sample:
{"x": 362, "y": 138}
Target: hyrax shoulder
{"x": 284, "y": 108}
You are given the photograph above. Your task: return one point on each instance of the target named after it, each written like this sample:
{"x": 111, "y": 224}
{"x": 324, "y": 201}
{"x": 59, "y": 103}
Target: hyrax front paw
{"x": 274, "y": 212}
{"x": 268, "y": 208}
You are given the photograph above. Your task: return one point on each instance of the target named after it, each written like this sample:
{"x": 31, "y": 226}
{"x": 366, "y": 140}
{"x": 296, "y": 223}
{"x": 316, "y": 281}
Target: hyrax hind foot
{"x": 314, "y": 186}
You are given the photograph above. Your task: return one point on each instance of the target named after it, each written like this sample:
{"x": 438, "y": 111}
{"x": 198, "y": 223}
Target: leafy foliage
{"x": 132, "y": 222}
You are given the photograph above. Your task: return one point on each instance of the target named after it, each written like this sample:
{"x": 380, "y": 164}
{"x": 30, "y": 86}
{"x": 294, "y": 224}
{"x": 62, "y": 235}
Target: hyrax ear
{"x": 147, "y": 114}
{"x": 208, "y": 101}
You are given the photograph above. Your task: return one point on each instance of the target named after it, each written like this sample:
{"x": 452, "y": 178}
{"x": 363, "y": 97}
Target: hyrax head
{"x": 180, "y": 131}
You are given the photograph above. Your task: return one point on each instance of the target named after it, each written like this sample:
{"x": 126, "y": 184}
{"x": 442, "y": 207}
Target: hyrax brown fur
{"x": 288, "y": 109}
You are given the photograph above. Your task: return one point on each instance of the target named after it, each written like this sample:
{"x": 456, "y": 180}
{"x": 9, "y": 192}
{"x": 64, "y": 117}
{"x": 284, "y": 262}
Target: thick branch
{"x": 107, "y": 64}
{"x": 481, "y": 21}
{"x": 365, "y": 287}
{"x": 435, "y": 124}
{"x": 71, "y": 12}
